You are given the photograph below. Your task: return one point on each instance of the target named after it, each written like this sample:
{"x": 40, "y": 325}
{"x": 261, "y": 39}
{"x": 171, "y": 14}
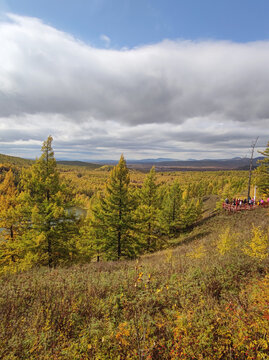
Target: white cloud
{"x": 174, "y": 98}
{"x": 106, "y": 40}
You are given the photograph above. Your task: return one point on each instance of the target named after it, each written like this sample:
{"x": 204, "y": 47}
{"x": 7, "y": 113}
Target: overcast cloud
{"x": 172, "y": 99}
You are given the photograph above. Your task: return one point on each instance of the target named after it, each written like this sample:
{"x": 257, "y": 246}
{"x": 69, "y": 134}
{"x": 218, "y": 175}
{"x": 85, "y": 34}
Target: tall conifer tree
{"x": 49, "y": 239}
{"x": 191, "y": 212}
{"x": 171, "y": 212}
{"x": 112, "y": 218}
{"x": 9, "y": 220}
{"x": 93, "y": 230}
{"x": 148, "y": 213}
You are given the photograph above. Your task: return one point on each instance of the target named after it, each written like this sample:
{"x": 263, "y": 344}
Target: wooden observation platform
{"x": 234, "y": 208}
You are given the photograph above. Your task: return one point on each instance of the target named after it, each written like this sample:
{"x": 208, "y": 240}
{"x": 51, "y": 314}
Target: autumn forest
{"x": 106, "y": 262}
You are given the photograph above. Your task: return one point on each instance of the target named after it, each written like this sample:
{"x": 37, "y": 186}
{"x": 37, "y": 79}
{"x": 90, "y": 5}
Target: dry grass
{"x": 142, "y": 309}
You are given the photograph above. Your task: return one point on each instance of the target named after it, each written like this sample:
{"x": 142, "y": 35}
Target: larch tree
{"x": 49, "y": 240}
{"x": 147, "y": 213}
{"x": 191, "y": 212}
{"x": 93, "y": 231}
{"x": 171, "y": 211}
{"x": 9, "y": 220}
{"x": 112, "y": 217}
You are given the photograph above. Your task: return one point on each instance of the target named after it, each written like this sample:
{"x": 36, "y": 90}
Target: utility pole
{"x": 251, "y": 164}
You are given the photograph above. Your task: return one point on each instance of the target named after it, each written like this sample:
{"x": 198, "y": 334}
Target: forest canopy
{"x": 123, "y": 214}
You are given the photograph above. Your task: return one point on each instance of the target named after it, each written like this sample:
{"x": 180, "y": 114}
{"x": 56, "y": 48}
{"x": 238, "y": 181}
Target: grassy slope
{"x": 17, "y": 161}
{"x": 185, "y": 303}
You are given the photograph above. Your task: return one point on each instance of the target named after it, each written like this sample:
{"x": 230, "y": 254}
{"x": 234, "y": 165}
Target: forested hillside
{"x": 127, "y": 213}
{"x": 78, "y": 164}
{"x": 13, "y": 160}
{"x": 191, "y": 283}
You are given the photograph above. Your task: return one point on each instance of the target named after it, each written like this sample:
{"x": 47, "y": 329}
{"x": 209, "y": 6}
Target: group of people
{"x": 249, "y": 201}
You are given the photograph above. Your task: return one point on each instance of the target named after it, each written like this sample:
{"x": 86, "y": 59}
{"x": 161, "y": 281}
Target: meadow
{"x": 205, "y": 298}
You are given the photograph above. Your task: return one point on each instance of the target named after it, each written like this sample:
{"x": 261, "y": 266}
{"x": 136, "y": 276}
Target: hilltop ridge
{"x": 161, "y": 164}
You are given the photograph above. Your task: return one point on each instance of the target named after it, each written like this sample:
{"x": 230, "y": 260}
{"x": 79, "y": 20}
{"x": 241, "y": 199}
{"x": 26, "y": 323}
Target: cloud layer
{"x": 175, "y": 98}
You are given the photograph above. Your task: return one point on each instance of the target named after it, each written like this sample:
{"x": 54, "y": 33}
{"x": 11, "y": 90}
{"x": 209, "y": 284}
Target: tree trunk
{"x": 174, "y": 210}
{"x": 119, "y": 244}
{"x": 119, "y": 230}
{"x": 49, "y": 253}
{"x": 12, "y": 238}
{"x": 149, "y": 237}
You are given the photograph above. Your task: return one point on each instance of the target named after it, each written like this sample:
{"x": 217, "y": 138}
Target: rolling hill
{"x": 146, "y": 164}
{"x": 14, "y": 160}
{"x": 18, "y": 161}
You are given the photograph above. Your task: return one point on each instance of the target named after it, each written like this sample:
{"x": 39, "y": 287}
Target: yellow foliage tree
{"x": 8, "y": 219}
{"x": 258, "y": 245}
{"x": 198, "y": 253}
{"x": 227, "y": 242}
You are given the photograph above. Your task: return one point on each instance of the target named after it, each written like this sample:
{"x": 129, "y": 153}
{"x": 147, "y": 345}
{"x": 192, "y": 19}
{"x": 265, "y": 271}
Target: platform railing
{"x": 231, "y": 207}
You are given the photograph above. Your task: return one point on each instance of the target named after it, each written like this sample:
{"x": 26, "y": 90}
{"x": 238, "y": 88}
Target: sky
{"x": 146, "y": 78}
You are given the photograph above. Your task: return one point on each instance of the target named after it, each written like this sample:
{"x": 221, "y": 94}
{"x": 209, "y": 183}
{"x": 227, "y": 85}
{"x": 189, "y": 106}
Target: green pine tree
{"x": 93, "y": 231}
{"x": 147, "y": 214}
{"x": 9, "y": 220}
{"x": 191, "y": 211}
{"x": 112, "y": 217}
{"x": 171, "y": 211}
{"x": 50, "y": 238}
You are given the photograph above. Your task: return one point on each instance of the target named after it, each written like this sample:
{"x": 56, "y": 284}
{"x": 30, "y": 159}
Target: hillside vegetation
{"x": 18, "y": 161}
{"x": 13, "y": 160}
{"x": 207, "y": 298}
{"x": 125, "y": 265}
{"x": 78, "y": 164}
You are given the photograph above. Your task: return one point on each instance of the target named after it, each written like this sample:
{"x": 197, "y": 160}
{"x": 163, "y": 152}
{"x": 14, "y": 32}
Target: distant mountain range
{"x": 161, "y": 164}
{"x": 167, "y": 164}
{"x": 142, "y": 161}
{"x": 205, "y": 164}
